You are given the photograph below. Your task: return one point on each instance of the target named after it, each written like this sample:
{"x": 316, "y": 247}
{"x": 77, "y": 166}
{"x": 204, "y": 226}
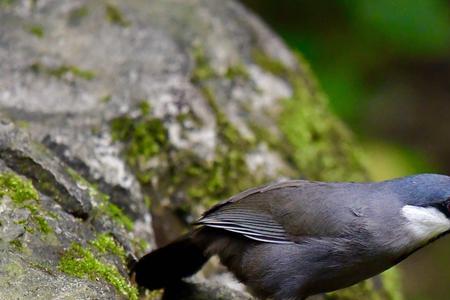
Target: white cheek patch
{"x": 425, "y": 223}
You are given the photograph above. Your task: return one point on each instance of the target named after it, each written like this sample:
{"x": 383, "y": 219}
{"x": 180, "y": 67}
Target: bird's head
{"x": 426, "y": 208}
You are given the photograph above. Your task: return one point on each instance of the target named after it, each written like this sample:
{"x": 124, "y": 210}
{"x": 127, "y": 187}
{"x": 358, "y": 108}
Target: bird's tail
{"x": 167, "y": 265}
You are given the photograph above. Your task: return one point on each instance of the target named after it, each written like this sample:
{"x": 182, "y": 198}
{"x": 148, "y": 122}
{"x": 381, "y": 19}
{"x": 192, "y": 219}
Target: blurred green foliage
{"x": 387, "y": 160}
{"x": 352, "y": 43}
{"x": 415, "y": 27}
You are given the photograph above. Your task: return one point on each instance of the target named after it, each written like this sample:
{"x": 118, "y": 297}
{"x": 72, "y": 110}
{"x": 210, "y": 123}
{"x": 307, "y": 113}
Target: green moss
{"x": 13, "y": 269}
{"x": 147, "y": 201}
{"x": 202, "y": 70}
{"x": 145, "y": 108}
{"x": 36, "y": 30}
{"x": 42, "y": 224}
{"x": 140, "y": 245}
{"x": 105, "y": 244}
{"x": 22, "y": 124}
{"x": 104, "y": 204}
{"x": 105, "y": 99}
{"x": 144, "y": 137}
{"x": 53, "y": 215}
{"x": 36, "y": 216}
{"x": 115, "y": 16}
{"x": 77, "y": 14}
{"x": 227, "y": 132}
{"x": 17, "y": 244}
{"x": 82, "y": 182}
{"x": 181, "y": 171}
{"x": 318, "y": 143}
{"x": 17, "y": 188}
{"x": 81, "y": 262}
{"x": 271, "y": 65}
{"x": 237, "y": 71}
{"x": 61, "y": 71}
{"x": 6, "y": 2}
{"x": 227, "y": 173}
{"x": 117, "y": 214}
{"x": 65, "y": 69}
{"x": 24, "y": 195}
{"x": 209, "y": 182}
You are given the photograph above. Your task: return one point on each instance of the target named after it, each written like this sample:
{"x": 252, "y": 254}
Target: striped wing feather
{"x": 250, "y": 220}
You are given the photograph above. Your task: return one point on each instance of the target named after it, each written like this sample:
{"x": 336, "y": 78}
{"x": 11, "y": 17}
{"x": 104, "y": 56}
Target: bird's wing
{"x": 277, "y": 213}
{"x": 257, "y": 227}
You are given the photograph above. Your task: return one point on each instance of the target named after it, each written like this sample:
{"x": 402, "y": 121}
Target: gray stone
{"x": 203, "y": 123}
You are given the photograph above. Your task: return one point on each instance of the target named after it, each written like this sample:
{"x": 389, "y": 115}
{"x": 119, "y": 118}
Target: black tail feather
{"x": 169, "y": 264}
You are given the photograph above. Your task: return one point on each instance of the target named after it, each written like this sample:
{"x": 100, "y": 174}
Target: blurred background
{"x": 385, "y": 66}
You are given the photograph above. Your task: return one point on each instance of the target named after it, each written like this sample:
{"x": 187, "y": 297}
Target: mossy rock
{"x": 126, "y": 108}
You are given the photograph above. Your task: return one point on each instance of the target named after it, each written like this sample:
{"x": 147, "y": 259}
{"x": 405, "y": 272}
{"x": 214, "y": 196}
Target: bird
{"x": 297, "y": 238}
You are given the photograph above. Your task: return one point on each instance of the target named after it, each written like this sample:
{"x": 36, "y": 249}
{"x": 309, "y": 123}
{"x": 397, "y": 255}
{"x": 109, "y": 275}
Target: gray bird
{"x": 298, "y": 238}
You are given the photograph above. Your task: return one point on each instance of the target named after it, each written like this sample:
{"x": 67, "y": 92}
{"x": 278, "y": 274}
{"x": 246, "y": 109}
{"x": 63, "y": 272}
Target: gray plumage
{"x": 298, "y": 238}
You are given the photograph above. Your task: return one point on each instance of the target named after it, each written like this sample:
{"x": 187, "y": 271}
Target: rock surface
{"x": 113, "y": 109}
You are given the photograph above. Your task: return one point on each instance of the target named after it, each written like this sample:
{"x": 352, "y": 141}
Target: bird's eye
{"x": 447, "y": 205}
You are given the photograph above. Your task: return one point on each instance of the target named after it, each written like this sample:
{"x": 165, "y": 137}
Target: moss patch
{"x": 6, "y": 2}
{"x": 237, "y": 71}
{"x": 20, "y": 190}
{"x": 104, "y": 204}
{"x": 105, "y": 244}
{"x": 115, "y": 16}
{"x": 36, "y": 30}
{"x": 317, "y": 142}
{"x": 140, "y": 245}
{"x": 116, "y": 213}
{"x": 77, "y": 14}
{"x": 17, "y": 244}
{"x": 202, "y": 70}
{"x": 144, "y": 137}
{"x": 81, "y": 262}
{"x": 40, "y": 221}
{"x": 106, "y": 99}
{"x": 271, "y": 65}
{"x": 22, "y": 124}
{"x": 24, "y": 195}
{"x": 181, "y": 172}
{"x": 62, "y": 71}
{"x": 227, "y": 173}
{"x": 89, "y": 261}
{"x": 13, "y": 269}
